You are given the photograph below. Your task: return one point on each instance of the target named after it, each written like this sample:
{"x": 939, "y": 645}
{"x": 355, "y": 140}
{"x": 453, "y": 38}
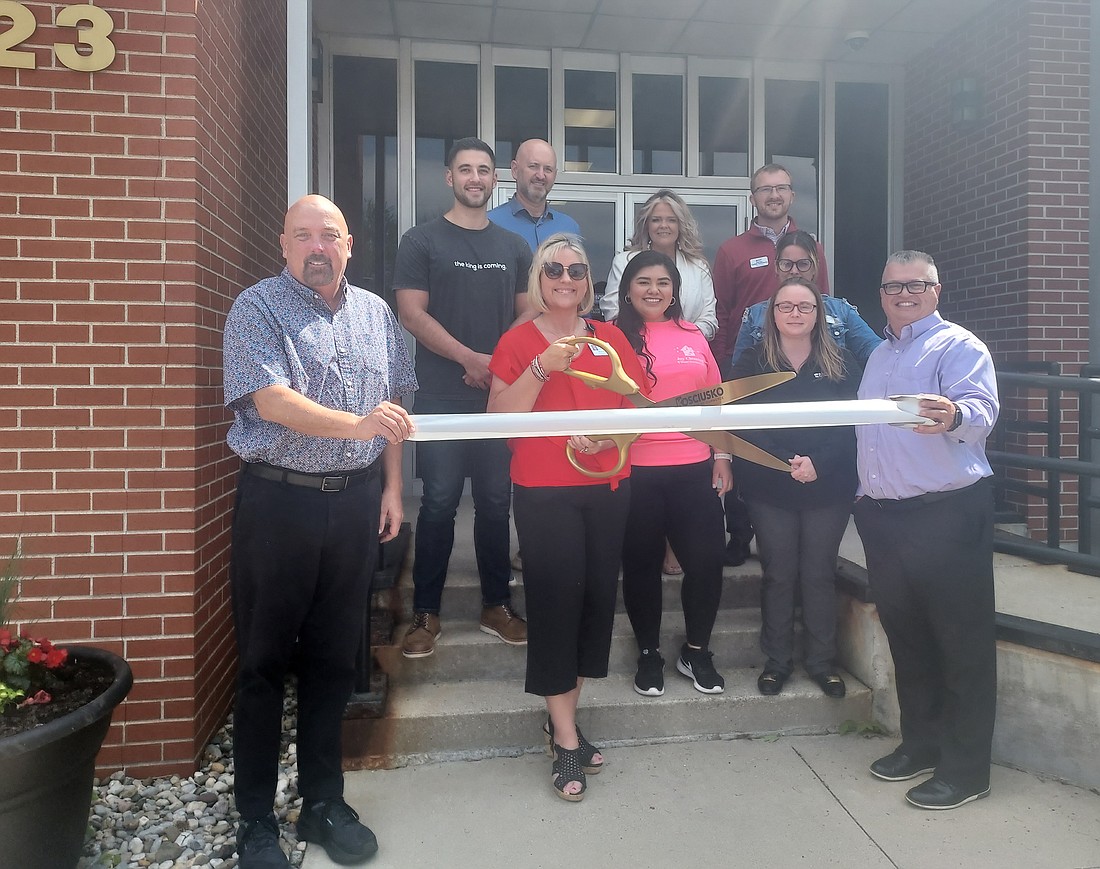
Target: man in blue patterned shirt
{"x": 314, "y": 374}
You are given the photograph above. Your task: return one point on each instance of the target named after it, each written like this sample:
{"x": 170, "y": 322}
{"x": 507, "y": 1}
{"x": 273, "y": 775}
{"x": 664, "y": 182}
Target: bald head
{"x": 316, "y": 244}
{"x": 535, "y": 170}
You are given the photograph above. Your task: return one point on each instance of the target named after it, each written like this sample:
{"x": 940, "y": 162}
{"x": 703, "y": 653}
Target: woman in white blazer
{"x": 665, "y": 224}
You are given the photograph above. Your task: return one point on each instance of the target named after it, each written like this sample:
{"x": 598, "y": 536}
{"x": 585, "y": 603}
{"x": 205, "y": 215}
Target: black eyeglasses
{"x": 553, "y": 270}
{"x": 773, "y": 188}
{"x": 803, "y": 265}
{"x": 892, "y": 288}
{"x": 788, "y": 307}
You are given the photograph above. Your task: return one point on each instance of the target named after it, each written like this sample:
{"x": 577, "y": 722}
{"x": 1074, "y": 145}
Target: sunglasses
{"x": 553, "y": 270}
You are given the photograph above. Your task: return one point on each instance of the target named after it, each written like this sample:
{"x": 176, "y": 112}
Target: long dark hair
{"x": 629, "y": 320}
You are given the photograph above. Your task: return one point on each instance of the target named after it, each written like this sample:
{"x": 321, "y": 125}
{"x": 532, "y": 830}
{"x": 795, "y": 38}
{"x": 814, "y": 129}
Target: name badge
{"x": 596, "y": 351}
{"x": 758, "y": 262}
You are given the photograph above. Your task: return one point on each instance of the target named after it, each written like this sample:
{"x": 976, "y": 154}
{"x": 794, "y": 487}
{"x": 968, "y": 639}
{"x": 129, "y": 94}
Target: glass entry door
{"x": 606, "y": 216}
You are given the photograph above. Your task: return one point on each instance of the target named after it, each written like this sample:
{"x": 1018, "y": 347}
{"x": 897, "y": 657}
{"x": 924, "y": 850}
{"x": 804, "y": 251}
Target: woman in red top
{"x": 570, "y": 525}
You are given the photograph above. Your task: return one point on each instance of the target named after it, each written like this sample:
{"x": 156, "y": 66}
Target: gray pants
{"x": 798, "y": 549}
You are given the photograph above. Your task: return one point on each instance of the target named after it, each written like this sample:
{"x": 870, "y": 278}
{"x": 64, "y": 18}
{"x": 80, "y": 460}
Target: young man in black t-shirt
{"x": 460, "y": 282}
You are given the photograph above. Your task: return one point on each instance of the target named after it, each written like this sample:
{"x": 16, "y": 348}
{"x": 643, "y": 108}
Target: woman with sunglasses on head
{"x": 675, "y": 485}
{"x": 570, "y": 525}
{"x": 796, "y": 255}
{"x": 800, "y": 516}
{"x": 665, "y": 224}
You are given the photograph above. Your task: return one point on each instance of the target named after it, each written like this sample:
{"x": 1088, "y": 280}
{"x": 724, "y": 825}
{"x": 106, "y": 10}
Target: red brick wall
{"x": 1003, "y": 204}
{"x": 135, "y": 202}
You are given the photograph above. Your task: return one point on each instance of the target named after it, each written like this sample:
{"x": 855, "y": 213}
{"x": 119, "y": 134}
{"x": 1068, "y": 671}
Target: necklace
{"x": 552, "y": 336}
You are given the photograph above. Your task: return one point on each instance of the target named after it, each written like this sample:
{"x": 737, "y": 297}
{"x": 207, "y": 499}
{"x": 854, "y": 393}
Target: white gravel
{"x": 167, "y": 823}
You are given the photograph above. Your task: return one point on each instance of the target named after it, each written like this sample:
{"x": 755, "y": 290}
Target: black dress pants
{"x": 930, "y": 567}
{"x": 300, "y": 575}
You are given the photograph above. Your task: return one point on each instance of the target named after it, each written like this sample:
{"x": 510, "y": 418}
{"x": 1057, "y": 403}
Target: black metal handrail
{"x": 1053, "y": 464}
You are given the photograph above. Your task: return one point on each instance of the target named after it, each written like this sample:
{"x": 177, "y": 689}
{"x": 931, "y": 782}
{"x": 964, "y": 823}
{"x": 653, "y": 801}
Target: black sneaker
{"x": 697, "y": 665}
{"x": 650, "y": 678}
{"x": 258, "y": 845}
{"x": 334, "y": 825}
{"x": 737, "y": 553}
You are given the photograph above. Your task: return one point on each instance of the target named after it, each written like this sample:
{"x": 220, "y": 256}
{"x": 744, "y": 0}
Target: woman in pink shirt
{"x": 676, "y": 486}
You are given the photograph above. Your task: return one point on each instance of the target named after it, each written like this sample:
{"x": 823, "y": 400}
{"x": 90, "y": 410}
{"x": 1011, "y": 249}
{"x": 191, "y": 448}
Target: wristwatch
{"x": 958, "y": 420}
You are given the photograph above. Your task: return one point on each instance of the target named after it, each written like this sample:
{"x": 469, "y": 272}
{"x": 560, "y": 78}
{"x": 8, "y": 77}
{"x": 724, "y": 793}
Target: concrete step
{"x": 465, "y": 720}
{"x": 462, "y": 594}
{"x": 464, "y": 652}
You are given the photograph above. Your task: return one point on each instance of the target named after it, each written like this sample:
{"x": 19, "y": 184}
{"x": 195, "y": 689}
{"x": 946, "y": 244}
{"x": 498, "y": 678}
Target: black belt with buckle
{"x": 322, "y": 482}
{"x": 919, "y": 500}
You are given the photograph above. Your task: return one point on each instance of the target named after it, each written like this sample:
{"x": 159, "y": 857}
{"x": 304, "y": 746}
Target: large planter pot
{"x": 46, "y": 777}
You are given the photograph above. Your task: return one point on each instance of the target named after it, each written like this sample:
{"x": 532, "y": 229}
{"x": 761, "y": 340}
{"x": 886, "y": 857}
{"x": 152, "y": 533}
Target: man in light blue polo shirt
{"x": 527, "y": 212}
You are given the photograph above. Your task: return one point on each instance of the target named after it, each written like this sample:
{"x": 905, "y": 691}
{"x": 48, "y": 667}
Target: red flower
{"x": 35, "y": 655}
{"x": 56, "y": 657}
{"x": 5, "y": 639}
{"x": 39, "y": 697}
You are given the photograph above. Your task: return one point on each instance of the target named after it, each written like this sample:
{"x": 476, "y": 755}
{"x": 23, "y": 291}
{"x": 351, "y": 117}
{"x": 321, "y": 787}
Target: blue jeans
{"x": 443, "y": 466}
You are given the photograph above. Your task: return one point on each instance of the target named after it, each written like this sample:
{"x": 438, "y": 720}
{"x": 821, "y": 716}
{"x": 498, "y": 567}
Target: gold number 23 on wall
{"x": 96, "y": 37}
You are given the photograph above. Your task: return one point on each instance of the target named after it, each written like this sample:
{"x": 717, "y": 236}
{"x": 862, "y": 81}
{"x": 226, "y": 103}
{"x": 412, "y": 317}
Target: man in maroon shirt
{"x": 744, "y": 274}
{"x": 744, "y": 269}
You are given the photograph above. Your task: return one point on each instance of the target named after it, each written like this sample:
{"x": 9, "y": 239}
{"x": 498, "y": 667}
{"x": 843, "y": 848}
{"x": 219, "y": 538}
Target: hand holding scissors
{"x": 619, "y": 382}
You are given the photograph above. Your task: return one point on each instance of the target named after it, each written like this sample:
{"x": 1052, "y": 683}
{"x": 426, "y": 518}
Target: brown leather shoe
{"x": 421, "y": 636}
{"x": 502, "y": 621}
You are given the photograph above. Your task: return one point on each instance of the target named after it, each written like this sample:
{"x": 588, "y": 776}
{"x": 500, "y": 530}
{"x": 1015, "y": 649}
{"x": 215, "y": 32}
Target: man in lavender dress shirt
{"x": 925, "y": 514}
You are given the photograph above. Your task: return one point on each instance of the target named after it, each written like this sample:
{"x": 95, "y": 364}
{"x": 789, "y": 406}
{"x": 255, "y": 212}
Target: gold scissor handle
{"x": 622, "y": 442}
{"x": 618, "y": 382}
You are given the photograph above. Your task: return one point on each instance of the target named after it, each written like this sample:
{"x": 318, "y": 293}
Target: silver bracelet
{"x": 727, "y": 456}
{"x": 540, "y": 373}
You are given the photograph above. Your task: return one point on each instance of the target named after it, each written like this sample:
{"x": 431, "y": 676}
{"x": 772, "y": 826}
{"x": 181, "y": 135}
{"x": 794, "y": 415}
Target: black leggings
{"x": 571, "y": 537}
{"x": 677, "y": 502}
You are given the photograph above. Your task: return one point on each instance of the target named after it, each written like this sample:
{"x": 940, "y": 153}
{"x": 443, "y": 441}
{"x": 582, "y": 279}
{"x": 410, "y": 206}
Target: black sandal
{"x": 770, "y": 682}
{"x": 566, "y": 769}
{"x": 587, "y": 750}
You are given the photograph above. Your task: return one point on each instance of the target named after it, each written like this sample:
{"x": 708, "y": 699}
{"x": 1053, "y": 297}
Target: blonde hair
{"x": 824, "y": 351}
{"x": 689, "y": 242}
{"x": 545, "y": 253}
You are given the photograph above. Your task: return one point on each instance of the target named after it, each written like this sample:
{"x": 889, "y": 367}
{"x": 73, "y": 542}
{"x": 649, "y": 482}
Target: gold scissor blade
{"x": 724, "y": 442}
{"x": 618, "y": 382}
{"x": 730, "y": 391}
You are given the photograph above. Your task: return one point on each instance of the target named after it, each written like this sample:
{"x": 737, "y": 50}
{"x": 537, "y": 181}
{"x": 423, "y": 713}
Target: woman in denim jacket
{"x": 796, "y": 254}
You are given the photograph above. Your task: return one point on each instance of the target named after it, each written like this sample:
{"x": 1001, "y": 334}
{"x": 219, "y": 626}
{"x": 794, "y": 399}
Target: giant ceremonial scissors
{"x": 621, "y": 383}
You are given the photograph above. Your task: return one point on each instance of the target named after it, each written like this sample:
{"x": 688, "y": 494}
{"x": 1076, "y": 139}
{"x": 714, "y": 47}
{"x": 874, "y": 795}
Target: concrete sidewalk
{"x": 792, "y": 802}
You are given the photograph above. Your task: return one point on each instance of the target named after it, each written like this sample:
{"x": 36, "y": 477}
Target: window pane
{"x": 658, "y": 102}
{"x": 365, "y": 165}
{"x": 723, "y": 126}
{"x": 597, "y": 221}
{"x": 522, "y": 109}
{"x": 446, "y": 110}
{"x": 862, "y": 175}
{"x": 590, "y": 121}
{"x": 791, "y": 137}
